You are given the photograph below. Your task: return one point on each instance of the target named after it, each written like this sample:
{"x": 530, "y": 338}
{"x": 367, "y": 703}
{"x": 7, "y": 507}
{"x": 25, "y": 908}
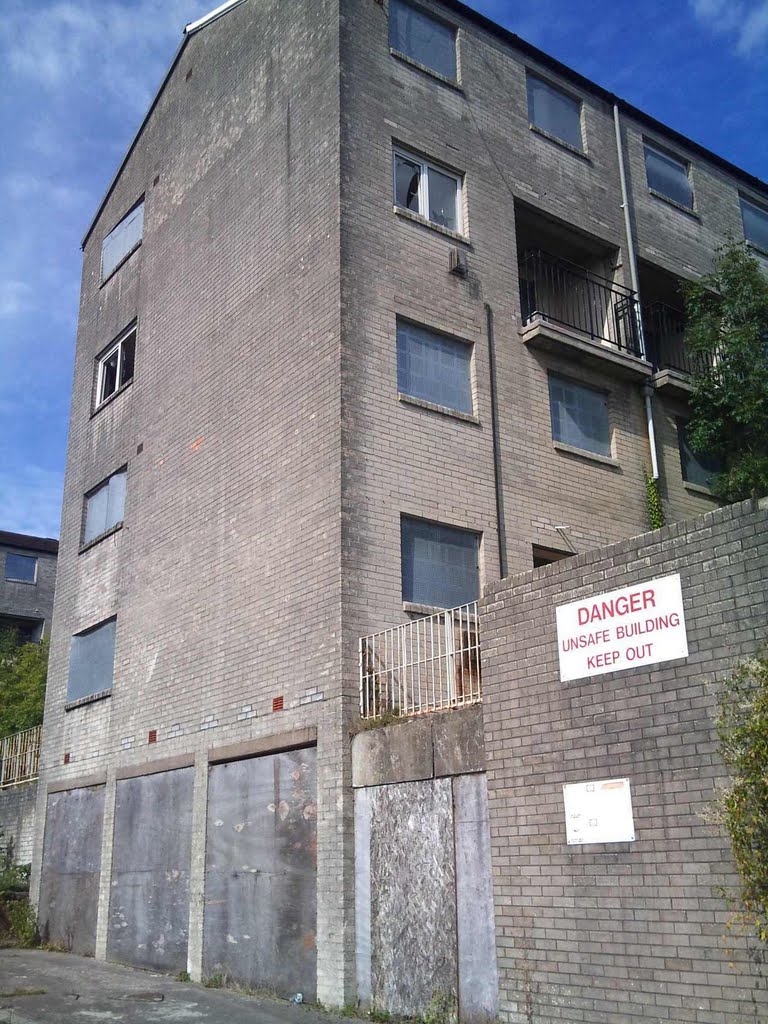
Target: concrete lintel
{"x": 164, "y": 764}
{"x": 271, "y": 744}
{"x": 81, "y": 782}
{"x": 458, "y": 743}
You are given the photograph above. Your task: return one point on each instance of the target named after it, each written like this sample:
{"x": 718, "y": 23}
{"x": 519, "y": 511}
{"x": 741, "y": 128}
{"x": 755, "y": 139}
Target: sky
{"x": 78, "y": 76}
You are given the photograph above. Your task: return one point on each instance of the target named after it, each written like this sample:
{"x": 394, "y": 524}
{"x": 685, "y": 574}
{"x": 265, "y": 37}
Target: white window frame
{"x": 102, "y": 359}
{"x": 15, "y": 579}
{"x": 425, "y": 165}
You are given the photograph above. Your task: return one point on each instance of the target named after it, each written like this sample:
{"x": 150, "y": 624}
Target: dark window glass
{"x": 116, "y": 367}
{"x": 669, "y": 177}
{"x": 104, "y": 507}
{"x": 696, "y": 469}
{"x": 122, "y": 239}
{"x": 24, "y": 631}
{"x": 439, "y": 564}
{"x": 91, "y": 661}
{"x": 422, "y": 38}
{"x": 129, "y": 355}
{"x": 755, "y": 222}
{"x": 554, "y": 112}
{"x": 579, "y": 416}
{"x": 433, "y": 367}
{"x": 442, "y": 199}
{"x": 21, "y": 568}
{"x": 407, "y": 181}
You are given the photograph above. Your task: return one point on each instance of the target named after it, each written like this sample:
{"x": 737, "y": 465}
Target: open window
{"x": 423, "y": 188}
{"x": 116, "y": 365}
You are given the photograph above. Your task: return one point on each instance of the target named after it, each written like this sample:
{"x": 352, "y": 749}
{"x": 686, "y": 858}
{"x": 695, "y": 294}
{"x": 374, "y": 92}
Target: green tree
{"x": 742, "y": 726}
{"x": 727, "y": 314}
{"x": 23, "y": 670}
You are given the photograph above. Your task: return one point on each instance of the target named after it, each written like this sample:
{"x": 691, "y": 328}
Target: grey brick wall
{"x": 17, "y": 820}
{"x": 624, "y": 932}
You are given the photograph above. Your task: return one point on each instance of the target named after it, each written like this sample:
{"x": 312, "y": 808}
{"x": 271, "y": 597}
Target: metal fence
{"x": 561, "y": 292}
{"x": 20, "y": 757}
{"x": 664, "y": 332}
{"x": 429, "y": 664}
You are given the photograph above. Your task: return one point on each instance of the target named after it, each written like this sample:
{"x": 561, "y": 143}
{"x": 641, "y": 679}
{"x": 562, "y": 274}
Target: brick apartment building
{"x": 359, "y": 335}
{"x": 27, "y": 584}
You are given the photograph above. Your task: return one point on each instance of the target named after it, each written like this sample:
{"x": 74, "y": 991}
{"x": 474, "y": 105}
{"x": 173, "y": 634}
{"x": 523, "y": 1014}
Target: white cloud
{"x": 30, "y": 500}
{"x": 745, "y": 22}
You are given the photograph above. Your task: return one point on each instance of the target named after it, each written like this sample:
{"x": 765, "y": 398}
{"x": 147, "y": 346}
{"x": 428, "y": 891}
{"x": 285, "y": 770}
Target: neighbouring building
{"x": 27, "y": 585}
{"x": 364, "y": 329}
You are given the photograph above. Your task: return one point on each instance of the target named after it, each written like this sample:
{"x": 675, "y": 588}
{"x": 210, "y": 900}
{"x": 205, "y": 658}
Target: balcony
{"x": 429, "y": 664}
{"x": 20, "y": 757}
{"x": 568, "y": 308}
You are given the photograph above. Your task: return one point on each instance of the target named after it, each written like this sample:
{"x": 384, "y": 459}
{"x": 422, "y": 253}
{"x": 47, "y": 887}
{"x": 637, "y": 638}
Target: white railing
{"x": 20, "y": 757}
{"x": 430, "y": 664}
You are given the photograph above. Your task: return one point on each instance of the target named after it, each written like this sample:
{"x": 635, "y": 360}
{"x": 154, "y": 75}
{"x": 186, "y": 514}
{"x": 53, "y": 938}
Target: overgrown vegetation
{"x": 727, "y": 331}
{"x": 654, "y": 507}
{"x": 18, "y": 924}
{"x": 742, "y": 808}
{"x": 23, "y": 670}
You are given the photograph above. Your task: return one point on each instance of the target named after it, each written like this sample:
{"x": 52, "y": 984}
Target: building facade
{"x": 27, "y": 585}
{"x": 359, "y": 336}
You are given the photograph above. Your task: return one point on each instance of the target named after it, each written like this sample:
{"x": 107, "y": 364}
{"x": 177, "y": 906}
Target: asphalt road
{"x": 75, "y": 990}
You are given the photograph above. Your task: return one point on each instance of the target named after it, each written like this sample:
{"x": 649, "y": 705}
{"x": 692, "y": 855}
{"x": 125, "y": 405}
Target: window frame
{"x": 406, "y": 323}
{"x": 16, "y": 579}
{"x": 129, "y": 252}
{"x": 105, "y": 691}
{"x": 659, "y": 150}
{"x": 530, "y": 75}
{"x": 410, "y": 603}
{"x": 761, "y": 209}
{"x": 85, "y": 545}
{"x": 608, "y": 455}
{"x": 425, "y": 165}
{"x": 684, "y": 449}
{"x": 404, "y": 55}
{"x": 117, "y": 344}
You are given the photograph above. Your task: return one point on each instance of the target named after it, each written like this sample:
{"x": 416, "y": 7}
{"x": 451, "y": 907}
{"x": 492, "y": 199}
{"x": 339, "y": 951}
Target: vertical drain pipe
{"x": 635, "y": 288}
{"x": 500, "y": 527}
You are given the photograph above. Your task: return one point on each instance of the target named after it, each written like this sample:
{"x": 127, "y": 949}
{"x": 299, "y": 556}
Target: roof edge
{"x": 493, "y": 28}
{"x": 206, "y": 19}
{"x": 29, "y": 542}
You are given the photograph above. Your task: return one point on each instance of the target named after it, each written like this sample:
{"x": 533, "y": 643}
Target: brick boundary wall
{"x": 17, "y": 819}
{"x": 626, "y": 932}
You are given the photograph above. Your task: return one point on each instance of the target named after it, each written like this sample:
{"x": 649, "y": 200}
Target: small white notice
{"x": 598, "y": 812}
{"x": 640, "y": 625}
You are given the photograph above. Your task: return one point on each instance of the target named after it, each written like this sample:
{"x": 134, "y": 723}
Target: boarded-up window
{"x": 423, "y": 38}
{"x": 91, "y": 661}
{"x": 433, "y": 367}
{"x": 122, "y": 240}
{"x": 440, "y": 564}
{"x": 579, "y": 416}
{"x": 554, "y": 111}
{"x": 105, "y": 506}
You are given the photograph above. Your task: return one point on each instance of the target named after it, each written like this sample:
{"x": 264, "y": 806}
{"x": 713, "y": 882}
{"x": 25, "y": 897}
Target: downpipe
{"x": 647, "y": 390}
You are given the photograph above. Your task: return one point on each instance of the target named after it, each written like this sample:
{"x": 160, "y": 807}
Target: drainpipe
{"x": 500, "y": 528}
{"x": 647, "y": 390}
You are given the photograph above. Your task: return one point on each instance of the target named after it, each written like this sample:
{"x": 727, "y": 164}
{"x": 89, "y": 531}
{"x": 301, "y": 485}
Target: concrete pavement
{"x": 70, "y": 989}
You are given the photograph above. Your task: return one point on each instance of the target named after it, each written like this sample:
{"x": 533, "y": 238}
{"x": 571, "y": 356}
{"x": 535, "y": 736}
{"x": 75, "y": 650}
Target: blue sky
{"x": 79, "y": 75}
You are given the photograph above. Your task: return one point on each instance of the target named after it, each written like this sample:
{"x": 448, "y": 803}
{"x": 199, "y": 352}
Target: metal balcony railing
{"x": 430, "y": 664}
{"x": 664, "y": 332}
{"x": 20, "y": 757}
{"x": 564, "y": 293}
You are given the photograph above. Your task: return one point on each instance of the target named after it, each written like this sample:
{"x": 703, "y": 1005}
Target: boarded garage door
{"x": 261, "y": 872}
{"x": 149, "y": 904}
{"x": 69, "y": 885}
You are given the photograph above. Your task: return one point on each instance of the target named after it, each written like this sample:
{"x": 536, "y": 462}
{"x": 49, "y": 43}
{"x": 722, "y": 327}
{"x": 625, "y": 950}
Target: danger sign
{"x": 640, "y": 625}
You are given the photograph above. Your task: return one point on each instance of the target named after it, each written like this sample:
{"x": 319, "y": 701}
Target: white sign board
{"x": 640, "y": 625}
{"x": 598, "y": 812}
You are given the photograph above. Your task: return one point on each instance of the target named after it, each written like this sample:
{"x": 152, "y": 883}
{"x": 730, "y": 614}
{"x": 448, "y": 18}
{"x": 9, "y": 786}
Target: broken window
{"x": 668, "y": 176}
{"x": 115, "y": 368}
{"x": 432, "y": 192}
{"x": 434, "y": 367}
{"x": 122, "y": 240}
{"x": 579, "y": 416}
{"x": 91, "y": 661}
{"x": 423, "y": 38}
{"x": 440, "y": 564}
{"x": 554, "y": 112}
{"x": 104, "y": 506}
